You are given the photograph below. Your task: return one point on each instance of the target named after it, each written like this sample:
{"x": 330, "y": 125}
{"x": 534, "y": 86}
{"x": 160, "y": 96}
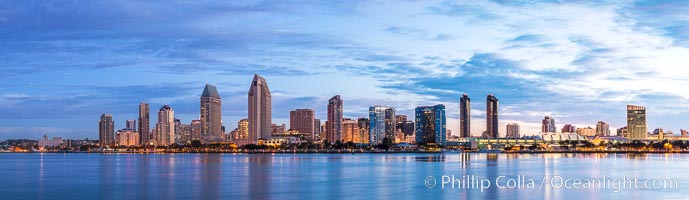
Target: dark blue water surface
{"x": 337, "y": 176}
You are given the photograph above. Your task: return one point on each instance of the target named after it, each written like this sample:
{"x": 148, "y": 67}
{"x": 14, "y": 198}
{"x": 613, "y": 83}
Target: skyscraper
{"x": 131, "y": 124}
{"x": 166, "y": 126}
{"x": 465, "y": 116}
{"x": 430, "y": 124}
{"x": 636, "y": 122}
{"x": 144, "y": 124}
{"x": 602, "y": 129}
{"x": 211, "y": 114}
{"x": 512, "y": 130}
{"x": 106, "y": 130}
{"x": 382, "y": 124}
{"x": 260, "y": 107}
{"x": 302, "y": 120}
{"x": 316, "y": 129}
{"x": 364, "y": 133}
{"x": 196, "y": 129}
{"x": 548, "y": 125}
{"x": 492, "y": 116}
{"x": 333, "y": 130}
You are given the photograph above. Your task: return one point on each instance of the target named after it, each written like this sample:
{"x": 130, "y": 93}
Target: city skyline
{"x": 59, "y": 75}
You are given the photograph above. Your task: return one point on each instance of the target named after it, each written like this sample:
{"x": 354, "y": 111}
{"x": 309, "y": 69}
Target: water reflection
{"x": 319, "y": 176}
{"x": 211, "y": 173}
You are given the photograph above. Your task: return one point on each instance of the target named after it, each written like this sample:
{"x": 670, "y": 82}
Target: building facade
{"x": 548, "y": 125}
{"x": 165, "y": 128}
{"x": 106, "y": 130}
{"x": 431, "y": 125}
{"x": 513, "y": 130}
{"x": 636, "y": 122}
{"x": 302, "y": 120}
{"x": 602, "y": 129}
{"x": 465, "y": 116}
{"x": 145, "y": 136}
{"x": 260, "y": 110}
{"x": 568, "y": 128}
{"x": 211, "y": 115}
{"x": 382, "y": 124}
{"x": 333, "y": 130}
{"x": 492, "y": 117}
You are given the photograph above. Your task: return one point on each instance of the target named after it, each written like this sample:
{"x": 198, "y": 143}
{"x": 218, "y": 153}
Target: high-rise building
{"x": 260, "y": 113}
{"x": 406, "y": 127}
{"x": 106, "y": 130}
{"x": 211, "y": 114}
{"x": 145, "y": 136}
{"x": 302, "y": 120}
{"x": 131, "y": 124}
{"x": 465, "y": 116}
{"x": 196, "y": 129}
{"x": 568, "y": 128}
{"x": 364, "y": 125}
{"x": 333, "y": 130}
{"x": 316, "y": 129}
{"x": 513, "y": 130}
{"x": 548, "y": 125}
{"x": 350, "y": 131}
{"x": 622, "y": 132}
{"x": 602, "y": 129}
{"x": 243, "y": 129}
{"x": 430, "y": 124}
{"x": 492, "y": 116}
{"x": 636, "y": 122}
{"x": 165, "y": 127}
{"x": 382, "y": 124}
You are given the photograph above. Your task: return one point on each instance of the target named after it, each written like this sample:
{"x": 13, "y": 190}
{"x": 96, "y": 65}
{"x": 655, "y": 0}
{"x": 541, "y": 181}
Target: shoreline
{"x": 362, "y": 152}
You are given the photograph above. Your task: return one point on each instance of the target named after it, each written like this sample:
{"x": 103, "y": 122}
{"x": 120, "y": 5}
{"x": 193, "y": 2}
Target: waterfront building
{"x": 350, "y": 131}
{"x": 317, "y": 130}
{"x": 364, "y": 133}
{"x": 382, "y": 124}
{"x": 465, "y": 116}
{"x": 144, "y": 124}
{"x": 602, "y": 129}
{"x": 165, "y": 128}
{"x": 588, "y": 131}
{"x": 106, "y": 130}
{"x": 45, "y": 142}
{"x": 302, "y": 120}
{"x": 492, "y": 117}
{"x": 333, "y": 130}
{"x": 568, "y": 128}
{"x": 127, "y": 137}
{"x": 260, "y": 108}
{"x": 622, "y": 132}
{"x": 636, "y": 122}
{"x": 512, "y": 130}
{"x": 211, "y": 115}
{"x": 430, "y": 124}
{"x": 548, "y": 125}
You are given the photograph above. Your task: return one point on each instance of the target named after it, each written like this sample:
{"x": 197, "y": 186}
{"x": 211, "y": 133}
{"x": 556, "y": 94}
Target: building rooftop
{"x": 210, "y": 91}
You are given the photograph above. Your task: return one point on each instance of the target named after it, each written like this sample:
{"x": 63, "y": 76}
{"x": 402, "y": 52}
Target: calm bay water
{"x": 332, "y": 176}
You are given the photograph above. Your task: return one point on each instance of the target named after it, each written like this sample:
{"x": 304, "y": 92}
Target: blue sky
{"x": 66, "y": 62}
